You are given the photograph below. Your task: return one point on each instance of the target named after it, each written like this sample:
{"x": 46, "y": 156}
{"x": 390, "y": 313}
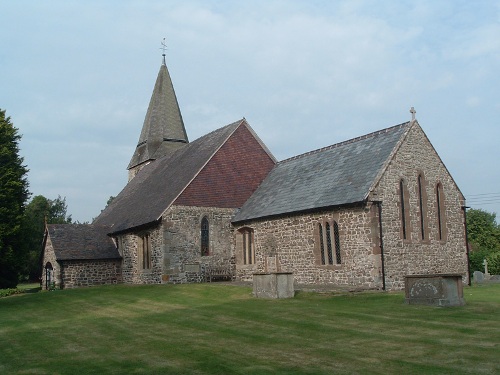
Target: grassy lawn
{"x": 221, "y": 329}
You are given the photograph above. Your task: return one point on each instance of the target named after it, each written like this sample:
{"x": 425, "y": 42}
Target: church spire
{"x": 163, "y": 130}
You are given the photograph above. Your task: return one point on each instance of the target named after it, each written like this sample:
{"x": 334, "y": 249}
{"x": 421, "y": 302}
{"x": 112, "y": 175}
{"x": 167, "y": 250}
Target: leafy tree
{"x": 13, "y": 196}
{"x": 39, "y": 211}
{"x": 484, "y": 237}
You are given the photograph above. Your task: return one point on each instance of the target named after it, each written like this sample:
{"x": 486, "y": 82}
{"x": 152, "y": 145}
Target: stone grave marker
{"x": 478, "y": 277}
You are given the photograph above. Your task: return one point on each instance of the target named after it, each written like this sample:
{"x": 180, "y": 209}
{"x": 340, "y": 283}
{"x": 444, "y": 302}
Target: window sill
{"x": 330, "y": 266}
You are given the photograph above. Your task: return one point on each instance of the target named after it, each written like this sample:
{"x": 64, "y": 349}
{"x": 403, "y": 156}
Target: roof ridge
{"x": 343, "y": 143}
{"x": 220, "y": 129}
{"x": 197, "y": 140}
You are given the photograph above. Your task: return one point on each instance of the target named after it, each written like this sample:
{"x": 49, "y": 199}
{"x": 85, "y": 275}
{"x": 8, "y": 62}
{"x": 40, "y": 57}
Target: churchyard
{"x": 222, "y": 329}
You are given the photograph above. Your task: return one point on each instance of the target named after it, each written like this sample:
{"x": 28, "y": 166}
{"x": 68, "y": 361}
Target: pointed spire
{"x": 163, "y": 129}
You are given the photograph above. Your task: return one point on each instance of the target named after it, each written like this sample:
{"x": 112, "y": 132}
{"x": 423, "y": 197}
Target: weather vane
{"x": 163, "y": 48}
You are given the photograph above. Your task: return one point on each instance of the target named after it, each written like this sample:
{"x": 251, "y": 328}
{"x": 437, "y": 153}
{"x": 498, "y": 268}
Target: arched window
{"x": 49, "y": 275}
{"x": 321, "y": 244}
{"x": 336, "y": 236}
{"x": 421, "y": 205}
{"x": 247, "y": 246}
{"x": 145, "y": 249}
{"x": 440, "y": 212}
{"x": 205, "y": 237}
{"x": 402, "y": 201}
{"x": 329, "y": 244}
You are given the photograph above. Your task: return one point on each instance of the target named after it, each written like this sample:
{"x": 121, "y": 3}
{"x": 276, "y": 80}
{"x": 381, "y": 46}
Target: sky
{"x": 76, "y": 78}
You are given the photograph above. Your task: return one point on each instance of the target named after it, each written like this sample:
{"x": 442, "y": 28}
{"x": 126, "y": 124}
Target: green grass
{"x": 221, "y": 329}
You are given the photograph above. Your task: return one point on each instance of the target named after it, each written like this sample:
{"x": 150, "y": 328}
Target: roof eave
{"x": 301, "y": 212}
{"x": 136, "y": 228}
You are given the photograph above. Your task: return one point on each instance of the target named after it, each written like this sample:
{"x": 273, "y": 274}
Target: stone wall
{"x": 291, "y": 244}
{"x": 181, "y": 226}
{"x": 176, "y": 247}
{"x": 416, "y": 255}
{"x": 292, "y": 241}
{"x": 50, "y": 256}
{"x": 90, "y": 272}
{"x": 129, "y": 246}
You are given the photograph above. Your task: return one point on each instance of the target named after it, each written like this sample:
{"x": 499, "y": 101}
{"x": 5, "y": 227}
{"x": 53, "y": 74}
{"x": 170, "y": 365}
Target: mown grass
{"x": 222, "y": 329}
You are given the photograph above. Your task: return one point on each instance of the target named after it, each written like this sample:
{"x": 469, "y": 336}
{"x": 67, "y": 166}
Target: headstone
{"x": 273, "y": 285}
{"x": 478, "y": 277}
{"x": 436, "y": 290}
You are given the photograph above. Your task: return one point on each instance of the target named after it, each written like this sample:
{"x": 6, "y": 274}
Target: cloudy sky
{"x": 76, "y": 78}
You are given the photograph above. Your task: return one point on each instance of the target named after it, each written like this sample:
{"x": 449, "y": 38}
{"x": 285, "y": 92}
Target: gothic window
{"x": 321, "y": 243}
{"x": 205, "y": 236}
{"x": 403, "y": 205}
{"x": 336, "y": 236}
{"x": 329, "y": 244}
{"x": 440, "y": 211}
{"x": 248, "y": 252}
{"x": 49, "y": 275}
{"x": 421, "y": 205}
{"x": 145, "y": 247}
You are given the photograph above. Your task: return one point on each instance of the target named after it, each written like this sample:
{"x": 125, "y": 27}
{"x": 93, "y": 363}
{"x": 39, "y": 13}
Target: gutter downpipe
{"x": 467, "y": 245}
{"x": 379, "y": 205}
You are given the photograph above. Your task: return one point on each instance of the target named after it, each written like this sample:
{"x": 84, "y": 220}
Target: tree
{"x": 484, "y": 237}
{"x": 13, "y": 196}
{"x": 39, "y": 211}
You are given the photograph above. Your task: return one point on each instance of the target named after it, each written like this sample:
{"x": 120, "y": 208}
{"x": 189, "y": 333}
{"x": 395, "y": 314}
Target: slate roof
{"x": 332, "y": 176}
{"x": 81, "y": 242}
{"x": 158, "y": 184}
{"x": 163, "y": 129}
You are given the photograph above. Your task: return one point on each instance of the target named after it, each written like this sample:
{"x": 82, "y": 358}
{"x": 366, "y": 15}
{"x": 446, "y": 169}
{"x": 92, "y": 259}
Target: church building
{"x": 363, "y": 213}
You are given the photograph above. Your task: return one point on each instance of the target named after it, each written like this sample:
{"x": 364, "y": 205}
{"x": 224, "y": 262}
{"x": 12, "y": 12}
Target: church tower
{"x": 163, "y": 129}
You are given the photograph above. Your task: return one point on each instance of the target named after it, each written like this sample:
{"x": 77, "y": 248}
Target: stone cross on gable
{"x": 485, "y": 263}
{"x": 412, "y": 111}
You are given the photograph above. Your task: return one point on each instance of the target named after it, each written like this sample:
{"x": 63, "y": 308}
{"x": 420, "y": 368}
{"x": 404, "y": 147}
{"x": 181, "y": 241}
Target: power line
{"x": 482, "y": 199}
{"x": 484, "y": 194}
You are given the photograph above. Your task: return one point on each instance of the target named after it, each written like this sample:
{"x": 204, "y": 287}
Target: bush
{"x": 476, "y": 258}
{"x": 494, "y": 263}
{"x": 10, "y": 292}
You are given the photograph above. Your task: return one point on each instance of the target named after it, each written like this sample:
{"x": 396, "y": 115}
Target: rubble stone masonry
{"x": 291, "y": 243}
{"x": 181, "y": 226}
{"x": 91, "y": 272}
{"x": 49, "y": 256}
{"x": 175, "y": 247}
{"x": 415, "y": 255}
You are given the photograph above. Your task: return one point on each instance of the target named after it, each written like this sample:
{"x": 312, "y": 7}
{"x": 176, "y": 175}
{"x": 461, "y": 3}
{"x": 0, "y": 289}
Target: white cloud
{"x": 77, "y": 77}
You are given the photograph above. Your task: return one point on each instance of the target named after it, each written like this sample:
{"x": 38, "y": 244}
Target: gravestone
{"x": 478, "y": 277}
{"x": 435, "y": 290}
{"x": 485, "y": 263}
{"x": 273, "y": 285}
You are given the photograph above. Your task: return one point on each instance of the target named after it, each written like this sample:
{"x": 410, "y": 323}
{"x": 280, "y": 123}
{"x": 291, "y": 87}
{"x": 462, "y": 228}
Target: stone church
{"x": 363, "y": 213}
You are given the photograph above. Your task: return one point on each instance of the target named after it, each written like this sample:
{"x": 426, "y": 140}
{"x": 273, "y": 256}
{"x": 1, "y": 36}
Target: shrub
{"x": 10, "y": 292}
{"x": 476, "y": 258}
{"x": 494, "y": 263}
